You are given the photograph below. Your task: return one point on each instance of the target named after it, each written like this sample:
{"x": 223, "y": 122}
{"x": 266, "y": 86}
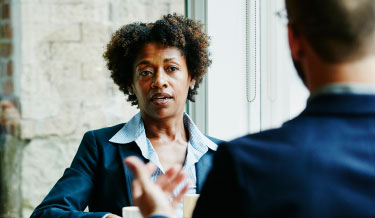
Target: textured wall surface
{"x": 65, "y": 88}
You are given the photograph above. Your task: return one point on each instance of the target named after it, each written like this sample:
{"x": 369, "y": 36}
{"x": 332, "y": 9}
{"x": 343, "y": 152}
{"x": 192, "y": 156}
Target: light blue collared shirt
{"x": 198, "y": 145}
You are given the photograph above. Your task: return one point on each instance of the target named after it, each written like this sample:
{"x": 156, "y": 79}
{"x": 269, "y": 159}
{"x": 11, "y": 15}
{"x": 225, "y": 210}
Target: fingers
{"x": 171, "y": 179}
{"x": 137, "y": 167}
{"x": 178, "y": 198}
{"x": 151, "y": 167}
{"x": 136, "y": 189}
{"x": 164, "y": 180}
{"x": 167, "y": 182}
{"x": 175, "y": 182}
{"x": 140, "y": 170}
{"x": 135, "y": 163}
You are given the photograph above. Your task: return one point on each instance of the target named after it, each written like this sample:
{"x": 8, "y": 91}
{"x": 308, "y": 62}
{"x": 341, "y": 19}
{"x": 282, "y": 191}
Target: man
{"x": 320, "y": 164}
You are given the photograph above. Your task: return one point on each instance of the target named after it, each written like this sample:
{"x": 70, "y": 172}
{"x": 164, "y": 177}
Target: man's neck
{"x": 319, "y": 74}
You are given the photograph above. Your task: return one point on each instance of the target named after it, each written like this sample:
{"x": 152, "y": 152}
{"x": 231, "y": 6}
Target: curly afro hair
{"x": 172, "y": 30}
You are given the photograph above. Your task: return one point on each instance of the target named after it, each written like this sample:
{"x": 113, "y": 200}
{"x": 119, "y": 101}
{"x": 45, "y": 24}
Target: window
{"x": 252, "y": 84}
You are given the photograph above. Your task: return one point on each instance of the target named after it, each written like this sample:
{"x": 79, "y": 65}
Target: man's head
{"x": 336, "y": 31}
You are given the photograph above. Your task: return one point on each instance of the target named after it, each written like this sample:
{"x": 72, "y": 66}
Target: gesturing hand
{"x": 155, "y": 198}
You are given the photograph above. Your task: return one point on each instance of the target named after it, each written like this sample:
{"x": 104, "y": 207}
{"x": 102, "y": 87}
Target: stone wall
{"x": 65, "y": 88}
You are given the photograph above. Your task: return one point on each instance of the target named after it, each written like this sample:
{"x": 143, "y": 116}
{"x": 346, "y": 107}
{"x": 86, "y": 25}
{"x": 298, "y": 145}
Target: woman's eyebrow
{"x": 142, "y": 62}
{"x": 148, "y": 62}
{"x": 169, "y": 59}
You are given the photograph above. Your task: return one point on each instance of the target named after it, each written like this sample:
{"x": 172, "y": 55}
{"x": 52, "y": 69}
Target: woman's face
{"x": 161, "y": 81}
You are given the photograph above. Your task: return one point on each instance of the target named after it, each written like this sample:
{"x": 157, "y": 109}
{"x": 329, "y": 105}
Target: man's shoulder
{"x": 274, "y": 145}
{"x": 273, "y": 154}
{"x": 282, "y": 136}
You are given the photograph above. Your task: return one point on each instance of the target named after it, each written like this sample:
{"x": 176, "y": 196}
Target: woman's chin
{"x": 163, "y": 113}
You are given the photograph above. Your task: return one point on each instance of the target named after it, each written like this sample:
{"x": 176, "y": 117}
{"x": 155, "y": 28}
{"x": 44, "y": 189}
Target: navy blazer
{"x": 320, "y": 164}
{"x": 99, "y": 179}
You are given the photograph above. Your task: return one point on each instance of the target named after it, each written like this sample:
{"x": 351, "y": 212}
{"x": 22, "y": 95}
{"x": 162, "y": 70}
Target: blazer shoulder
{"x": 109, "y": 129}
{"x": 107, "y": 132}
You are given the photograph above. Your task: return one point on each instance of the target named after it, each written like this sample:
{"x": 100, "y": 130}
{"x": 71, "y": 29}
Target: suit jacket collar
{"x": 126, "y": 151}
{"x": 341, "y": 104}
{"x": 203, "y": 167}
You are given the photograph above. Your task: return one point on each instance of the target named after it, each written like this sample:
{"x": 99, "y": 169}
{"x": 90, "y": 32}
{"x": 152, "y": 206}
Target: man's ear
{"x": 295, "y": 43}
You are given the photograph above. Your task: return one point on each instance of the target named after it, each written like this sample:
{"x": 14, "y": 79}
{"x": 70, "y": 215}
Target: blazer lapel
{"x": 203, "y": 167}
{"x": 127, "y": 150}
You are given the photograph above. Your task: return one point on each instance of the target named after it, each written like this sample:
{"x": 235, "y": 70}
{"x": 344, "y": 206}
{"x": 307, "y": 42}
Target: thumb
{"x": 137, "y": 190}
{"x": 140, "y": 170}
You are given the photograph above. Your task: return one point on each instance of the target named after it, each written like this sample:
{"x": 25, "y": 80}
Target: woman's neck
{"x": 166, "y": 129}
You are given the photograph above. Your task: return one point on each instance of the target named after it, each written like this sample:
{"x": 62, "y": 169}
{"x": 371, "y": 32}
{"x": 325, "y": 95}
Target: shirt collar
{"x": 196, "y": 138}
{"x": 344, "y": 88}
{"x": 130, "y": 131}
{"x": 134, "y": 131}
{"x": 198, "y": 143}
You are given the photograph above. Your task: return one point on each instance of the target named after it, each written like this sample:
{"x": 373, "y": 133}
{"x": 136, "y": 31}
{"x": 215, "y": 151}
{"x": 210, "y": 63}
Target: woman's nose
{"x": 159, "y": 80}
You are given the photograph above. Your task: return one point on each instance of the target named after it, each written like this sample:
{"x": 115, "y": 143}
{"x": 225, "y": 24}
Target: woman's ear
{"x": 130, "y": 90}
{"x": 192, "y": 83}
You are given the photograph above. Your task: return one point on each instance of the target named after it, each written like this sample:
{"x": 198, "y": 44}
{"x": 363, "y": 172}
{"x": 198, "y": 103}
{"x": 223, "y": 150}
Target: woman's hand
{"x": 155, "y": 198}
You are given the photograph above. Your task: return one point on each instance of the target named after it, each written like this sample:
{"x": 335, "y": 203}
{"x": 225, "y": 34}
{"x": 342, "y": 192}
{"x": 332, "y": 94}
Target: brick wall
{"x": 65, "y": 88}
{"x": 6, "y": 52}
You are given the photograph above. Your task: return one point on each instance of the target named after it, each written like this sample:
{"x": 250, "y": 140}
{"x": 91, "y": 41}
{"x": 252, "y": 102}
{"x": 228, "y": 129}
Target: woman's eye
{"x": 145, "y": 73}
{"x": 172, "y": 68}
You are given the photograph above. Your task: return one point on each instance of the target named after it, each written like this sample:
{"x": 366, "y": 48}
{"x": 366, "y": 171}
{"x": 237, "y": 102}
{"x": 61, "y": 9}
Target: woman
{"x": 158, "y": 66}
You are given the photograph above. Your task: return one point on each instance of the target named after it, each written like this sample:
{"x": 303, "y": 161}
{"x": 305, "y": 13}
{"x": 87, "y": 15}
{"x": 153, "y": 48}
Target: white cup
{"x": 131, "y": 212}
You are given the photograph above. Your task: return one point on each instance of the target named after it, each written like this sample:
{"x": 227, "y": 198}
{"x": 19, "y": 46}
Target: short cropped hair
{"x": 337, "y": 30}
{"x": 172, "y": 30}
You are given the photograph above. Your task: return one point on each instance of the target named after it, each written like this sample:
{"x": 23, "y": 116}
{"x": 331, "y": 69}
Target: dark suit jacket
{"x": 99, "y": 179}
{"x": 320, "y": 164}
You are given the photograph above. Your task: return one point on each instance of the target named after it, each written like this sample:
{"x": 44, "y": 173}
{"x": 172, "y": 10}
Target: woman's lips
{"x": 161, "y": 101}
{"x": 161, "y": 98}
